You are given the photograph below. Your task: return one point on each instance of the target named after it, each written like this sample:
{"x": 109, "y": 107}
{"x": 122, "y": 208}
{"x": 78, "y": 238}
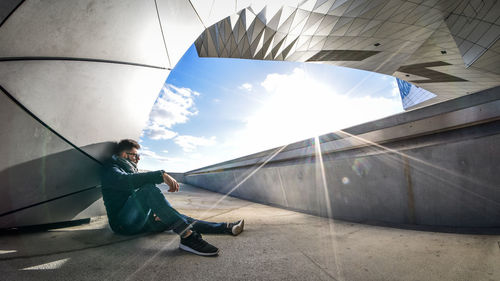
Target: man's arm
{"x": 115, "y": 178}
{"x": 171, "y": 182}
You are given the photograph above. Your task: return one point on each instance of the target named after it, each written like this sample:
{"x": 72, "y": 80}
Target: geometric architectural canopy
{"x": 448, "y": 47}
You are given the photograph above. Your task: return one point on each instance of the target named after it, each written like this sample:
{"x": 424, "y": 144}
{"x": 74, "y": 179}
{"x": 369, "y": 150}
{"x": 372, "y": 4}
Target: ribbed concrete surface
{"x": 277, "y": 244}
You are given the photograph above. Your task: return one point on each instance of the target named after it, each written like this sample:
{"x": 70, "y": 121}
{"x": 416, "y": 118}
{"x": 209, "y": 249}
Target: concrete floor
{"x": 277, "y": 244}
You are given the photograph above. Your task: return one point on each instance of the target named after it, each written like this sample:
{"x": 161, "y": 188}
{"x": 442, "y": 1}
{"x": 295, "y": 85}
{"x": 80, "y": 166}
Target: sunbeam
{"x": 283, "y": 190}
{"x": 323, "y": 183}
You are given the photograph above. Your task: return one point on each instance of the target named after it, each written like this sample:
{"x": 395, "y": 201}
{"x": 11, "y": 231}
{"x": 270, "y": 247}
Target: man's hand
{"x": 171, "y": 182}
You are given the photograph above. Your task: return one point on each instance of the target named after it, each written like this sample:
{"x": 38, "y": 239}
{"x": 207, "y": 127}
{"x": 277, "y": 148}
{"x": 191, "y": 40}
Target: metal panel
{"x": 64, "y": 209}
{"x": 181, "y": 26}
{"x": 37, "y": 166}
{"x": 342, "y": 55}
{"x": 87, "y": 102}
{"x": 118, "y": 30}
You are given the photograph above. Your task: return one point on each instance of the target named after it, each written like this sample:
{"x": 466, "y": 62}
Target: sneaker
{"x": 235, "y": 228}
{"x": 194, "y": 244}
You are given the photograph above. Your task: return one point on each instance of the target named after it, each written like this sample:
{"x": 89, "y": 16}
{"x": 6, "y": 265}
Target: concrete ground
{"x": 277, "y": 244}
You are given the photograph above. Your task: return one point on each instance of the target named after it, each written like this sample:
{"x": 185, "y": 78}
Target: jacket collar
{"x": 125, "y": 164}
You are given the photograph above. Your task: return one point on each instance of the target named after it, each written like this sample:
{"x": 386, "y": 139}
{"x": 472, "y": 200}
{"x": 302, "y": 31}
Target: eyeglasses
{"x": 136, "y": 155}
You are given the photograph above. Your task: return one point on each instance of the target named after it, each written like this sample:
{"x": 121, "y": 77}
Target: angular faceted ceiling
{"x": 447, "y": 47}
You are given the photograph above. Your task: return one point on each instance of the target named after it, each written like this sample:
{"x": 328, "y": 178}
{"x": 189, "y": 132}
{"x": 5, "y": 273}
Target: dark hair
{"x": 126, "y": 144}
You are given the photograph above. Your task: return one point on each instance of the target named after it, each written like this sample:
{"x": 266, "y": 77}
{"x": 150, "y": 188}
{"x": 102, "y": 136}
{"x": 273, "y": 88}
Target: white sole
{"x": 191, "y": 250}
{"x": 237, "y": 229}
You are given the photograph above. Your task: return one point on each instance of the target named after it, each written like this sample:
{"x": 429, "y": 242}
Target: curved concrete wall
{"x": 441, "y": 171}
{"x": 38, "y": 168}
{"x": 74, "y": 77}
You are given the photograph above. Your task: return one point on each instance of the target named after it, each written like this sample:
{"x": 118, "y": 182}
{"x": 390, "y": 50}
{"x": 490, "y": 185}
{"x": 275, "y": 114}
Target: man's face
{"x": 132, "y": 155}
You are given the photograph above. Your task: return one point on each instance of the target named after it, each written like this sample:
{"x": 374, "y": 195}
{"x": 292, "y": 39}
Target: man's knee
{"x": 149, "y": 189}
{"x": 151, "y": 193}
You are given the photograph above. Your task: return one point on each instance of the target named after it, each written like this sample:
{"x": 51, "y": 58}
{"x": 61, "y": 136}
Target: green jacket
{"x": 120, "y": 179}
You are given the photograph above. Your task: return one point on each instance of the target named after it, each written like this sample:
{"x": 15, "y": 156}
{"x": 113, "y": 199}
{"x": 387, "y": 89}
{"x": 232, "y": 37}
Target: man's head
{"x": 128, "y": 149}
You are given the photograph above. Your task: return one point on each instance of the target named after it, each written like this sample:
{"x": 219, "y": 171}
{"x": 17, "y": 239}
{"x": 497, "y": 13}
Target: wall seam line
{"x": 7, "y": 59}
{"x": 11, "y": 12}
{"x": 162, "y": 33}
{"x": 19, "y": 104}
{"x": 47, "y": 201}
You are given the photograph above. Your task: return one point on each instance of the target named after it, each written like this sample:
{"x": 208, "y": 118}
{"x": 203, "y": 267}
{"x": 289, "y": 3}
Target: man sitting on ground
{"x": 135, "y": 204}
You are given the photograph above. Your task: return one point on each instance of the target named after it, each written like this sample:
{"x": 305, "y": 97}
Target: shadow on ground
{"x": 277, "y": 244}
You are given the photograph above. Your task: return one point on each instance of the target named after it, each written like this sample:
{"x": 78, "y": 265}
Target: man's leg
{"x": 199, "y": 226}
{"x": 191, "y": 241}
{"x": 151, "y": 197}
{"x": 233, "y": 228}
{"x": 206, "y": 226}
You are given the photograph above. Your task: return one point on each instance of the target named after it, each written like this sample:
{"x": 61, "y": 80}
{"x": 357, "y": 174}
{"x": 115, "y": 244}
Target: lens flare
{"x": 345, "y": 180}
{"x": 361, "y": 166}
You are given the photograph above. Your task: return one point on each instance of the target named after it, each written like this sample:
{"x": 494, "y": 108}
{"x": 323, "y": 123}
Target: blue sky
{"x": 212, "y": 109}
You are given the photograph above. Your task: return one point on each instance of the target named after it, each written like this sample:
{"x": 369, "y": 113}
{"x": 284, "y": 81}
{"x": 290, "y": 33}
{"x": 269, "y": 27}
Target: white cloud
{"x": 148, "y": 154}
{"x": 151, "y": 161}
{"x": 174, "y": 106}
{"x": 190, "y": 143}
{"x": 395, "y": 88}
{"x": 273, "y": 81}
{"x": 246, "y": 86}
{"x": 196, "y": 156}
{"x": 157, "y": 132}
{"x": 295, "y": 106}
{"x": 299, "y": 107}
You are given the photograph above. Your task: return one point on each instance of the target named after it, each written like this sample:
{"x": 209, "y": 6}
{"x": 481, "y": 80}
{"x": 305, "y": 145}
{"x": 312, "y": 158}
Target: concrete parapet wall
{"x": 177, "y": 176}
{"x": 447, "y": 177}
